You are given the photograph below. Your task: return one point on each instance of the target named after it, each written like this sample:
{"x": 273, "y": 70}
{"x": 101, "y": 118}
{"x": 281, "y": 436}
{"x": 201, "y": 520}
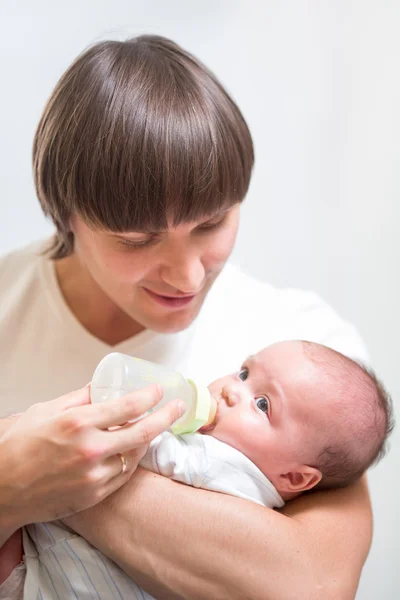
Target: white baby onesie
{"x": 61, "y": 564}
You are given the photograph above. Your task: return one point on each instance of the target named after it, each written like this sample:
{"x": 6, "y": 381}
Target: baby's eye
{"x": 263, "y": 404}
{"x": 243, "y": 375}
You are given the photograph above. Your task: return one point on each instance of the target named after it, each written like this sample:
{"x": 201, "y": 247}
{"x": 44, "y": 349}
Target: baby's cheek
{"x": 236, "y": 431}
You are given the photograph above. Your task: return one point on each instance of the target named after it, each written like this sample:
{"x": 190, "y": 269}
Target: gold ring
{"x": 124, "y": 467}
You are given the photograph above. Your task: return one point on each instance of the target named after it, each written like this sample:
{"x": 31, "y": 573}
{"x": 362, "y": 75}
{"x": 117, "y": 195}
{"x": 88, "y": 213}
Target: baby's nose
{"x": 231, "y": 395}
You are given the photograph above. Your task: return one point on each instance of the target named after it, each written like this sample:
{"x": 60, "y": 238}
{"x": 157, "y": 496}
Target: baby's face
{"x": 270, "y": 409}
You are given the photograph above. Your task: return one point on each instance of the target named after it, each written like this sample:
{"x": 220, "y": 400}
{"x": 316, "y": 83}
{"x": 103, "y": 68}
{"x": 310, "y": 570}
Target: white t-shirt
{"x": 45, "y": 351}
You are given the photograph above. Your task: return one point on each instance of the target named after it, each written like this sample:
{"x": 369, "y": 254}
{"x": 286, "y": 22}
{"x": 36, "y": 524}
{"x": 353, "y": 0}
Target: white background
{"x": 318, "y": 82}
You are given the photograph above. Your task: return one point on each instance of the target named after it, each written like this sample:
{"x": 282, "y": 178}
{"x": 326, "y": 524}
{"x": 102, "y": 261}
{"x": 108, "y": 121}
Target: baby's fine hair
{"x": 358, "y": 437}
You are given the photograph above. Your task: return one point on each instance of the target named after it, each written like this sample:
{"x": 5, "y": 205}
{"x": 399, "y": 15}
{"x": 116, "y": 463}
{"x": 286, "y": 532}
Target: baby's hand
{"x": 11, "y": 554}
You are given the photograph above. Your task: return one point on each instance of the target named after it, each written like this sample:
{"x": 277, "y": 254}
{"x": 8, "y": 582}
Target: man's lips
{"x": 170, "y": 301}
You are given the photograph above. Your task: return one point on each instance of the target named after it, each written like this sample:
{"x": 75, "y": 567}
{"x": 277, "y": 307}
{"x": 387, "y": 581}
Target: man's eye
{"x": 136, "y": 243}
{"x": 210, "y": 225}
{"x": 263, "y": 404}
{"x": 243, "y": 375}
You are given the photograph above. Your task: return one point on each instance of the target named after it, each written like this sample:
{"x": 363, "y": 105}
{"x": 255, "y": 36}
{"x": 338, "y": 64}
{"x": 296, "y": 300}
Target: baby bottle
{"x": 118, "y": 374}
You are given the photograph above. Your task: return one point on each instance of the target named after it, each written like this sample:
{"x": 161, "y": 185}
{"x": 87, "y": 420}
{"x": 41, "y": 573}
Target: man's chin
{"x": 172, "y": 323}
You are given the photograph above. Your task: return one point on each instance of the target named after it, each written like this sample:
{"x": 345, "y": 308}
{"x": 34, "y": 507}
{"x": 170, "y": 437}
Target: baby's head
{"x": 305, "y": 415}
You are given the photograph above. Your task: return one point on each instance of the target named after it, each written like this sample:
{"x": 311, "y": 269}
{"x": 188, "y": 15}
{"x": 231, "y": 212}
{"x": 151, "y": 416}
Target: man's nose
{"x": 184, "y": 273}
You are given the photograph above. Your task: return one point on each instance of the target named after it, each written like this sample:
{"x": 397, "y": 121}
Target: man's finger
{"x": 127, "y": 408}
{"x": 144, "y": 431}
{"x": 76, "y": 398}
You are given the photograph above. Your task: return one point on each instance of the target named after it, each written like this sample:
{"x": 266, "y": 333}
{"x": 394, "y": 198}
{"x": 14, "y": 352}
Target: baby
{"x": 306, "y": 415}
{"x": 297, "y": 416}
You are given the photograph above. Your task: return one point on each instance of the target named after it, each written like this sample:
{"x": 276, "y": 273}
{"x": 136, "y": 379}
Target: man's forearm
{"x": 179, "y": 542}
{"x": 173, "y": 545}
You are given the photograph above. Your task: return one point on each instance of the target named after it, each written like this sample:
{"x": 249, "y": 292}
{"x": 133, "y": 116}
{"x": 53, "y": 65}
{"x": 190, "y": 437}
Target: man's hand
{"x": 63, "y": 456}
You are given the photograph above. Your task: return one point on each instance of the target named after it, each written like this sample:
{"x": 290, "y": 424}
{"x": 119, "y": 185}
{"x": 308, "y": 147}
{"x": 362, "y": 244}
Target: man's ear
{"x": 299, "y": 480}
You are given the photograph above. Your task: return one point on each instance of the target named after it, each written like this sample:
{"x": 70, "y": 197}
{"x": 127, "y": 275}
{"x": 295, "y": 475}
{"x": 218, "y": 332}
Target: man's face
{"x": 159, "y": 279}
{"x": 267, "y": 410}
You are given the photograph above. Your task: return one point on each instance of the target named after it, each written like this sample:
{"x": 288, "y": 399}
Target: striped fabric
{"x": 61, "y": 565}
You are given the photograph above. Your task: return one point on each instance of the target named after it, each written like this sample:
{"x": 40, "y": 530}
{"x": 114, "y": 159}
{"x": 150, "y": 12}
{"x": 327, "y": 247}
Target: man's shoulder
{"x": 246, "y": 291}
{"x": 20, "y": 262}
{"x": 238, "y": 286}
{"x": 253, "y": 314}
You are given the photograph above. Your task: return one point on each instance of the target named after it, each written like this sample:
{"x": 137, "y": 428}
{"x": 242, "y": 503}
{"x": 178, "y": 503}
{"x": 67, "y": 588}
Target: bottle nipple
{"x": 202, "y": 411}
{"x": 208, "y": 426}
{"x": 213, "y": 412}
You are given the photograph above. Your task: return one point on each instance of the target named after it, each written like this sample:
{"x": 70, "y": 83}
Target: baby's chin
{"x": 207, "y": 429}
{"x": 214, "y": 431}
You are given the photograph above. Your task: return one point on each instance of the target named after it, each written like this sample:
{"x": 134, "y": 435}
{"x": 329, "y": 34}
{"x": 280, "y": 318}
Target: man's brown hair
{"x": 137, "y": 133}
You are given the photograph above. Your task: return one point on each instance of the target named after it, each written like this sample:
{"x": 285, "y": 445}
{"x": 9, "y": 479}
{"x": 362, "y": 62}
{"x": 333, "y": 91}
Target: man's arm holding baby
{"x": 188, "y": 543}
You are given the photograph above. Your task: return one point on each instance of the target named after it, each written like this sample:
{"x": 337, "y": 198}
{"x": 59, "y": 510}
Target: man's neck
{"x": 91, "y": 306}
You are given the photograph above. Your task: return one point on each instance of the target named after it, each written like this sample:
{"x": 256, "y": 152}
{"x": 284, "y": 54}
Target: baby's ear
{"x": 299, "y": 480}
